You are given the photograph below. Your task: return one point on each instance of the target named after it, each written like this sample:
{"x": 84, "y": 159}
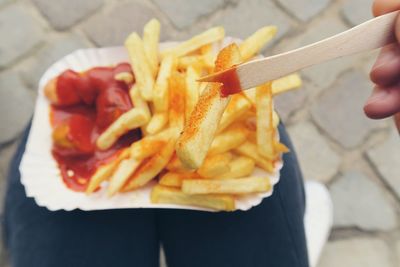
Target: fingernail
{"x": 377, "y": 95}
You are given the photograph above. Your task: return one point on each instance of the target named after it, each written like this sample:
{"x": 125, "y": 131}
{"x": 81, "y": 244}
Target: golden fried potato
{"x": 125, "y": 77}
{"x": 175, "y": 165}
{"x": 255, "y": 42}
{"x": 192, "y": 91}
{"x": 140, "y": 65}
{"x": 238, "y": 167}
{"x": 286, "y": 83}
{"x": 151, "y": 37}
{"x": 138, "y": 101}
{"x": 215, "y": 165}
{"x": 229, "y": 186}
{"x": 104, "y": 172}
{"x": 150, "y": 144}
{"x": 132, "y": 119}
{"x": 207, "y": 37}
{"x": 235, "y": 109}
{"x": 229, "y": 139}
{"x": 122, "y": 173}
{"x": 202, "y": 125}
{"x": 250, "y": 150}
{"x": 265, "y": 128}
{"x": 160, "y": 93}
{"x": 151, "y": 168}
{"x": 177, "y": 101}
{"x": 157, "y": 123}
{"x": 171, "y": 195}
{"x": 175, "y": 178}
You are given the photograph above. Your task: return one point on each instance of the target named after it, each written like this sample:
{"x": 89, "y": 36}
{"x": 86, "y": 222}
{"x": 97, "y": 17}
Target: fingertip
{"x": 383, "y": 102}
{"x": 380, "y": 7}
{"x": 386, "y": 69}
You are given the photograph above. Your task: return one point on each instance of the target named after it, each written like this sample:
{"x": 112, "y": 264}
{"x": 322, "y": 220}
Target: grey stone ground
{"x": 357, "y": 158}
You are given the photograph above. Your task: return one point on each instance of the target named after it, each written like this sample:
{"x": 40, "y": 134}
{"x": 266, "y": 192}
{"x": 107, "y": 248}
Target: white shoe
{"x": 318, "y": 219}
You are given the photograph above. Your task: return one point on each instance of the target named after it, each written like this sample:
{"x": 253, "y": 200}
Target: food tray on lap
{"x": 40, "y": 174}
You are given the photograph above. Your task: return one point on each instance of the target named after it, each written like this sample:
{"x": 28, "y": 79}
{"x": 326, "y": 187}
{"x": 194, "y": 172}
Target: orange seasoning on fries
{"x": 83, "y": 106}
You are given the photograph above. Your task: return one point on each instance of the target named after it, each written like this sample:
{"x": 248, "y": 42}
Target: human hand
{"x": 385, "y": 99}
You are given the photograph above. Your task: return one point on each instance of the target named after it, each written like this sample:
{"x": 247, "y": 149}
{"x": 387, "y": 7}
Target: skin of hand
{"x": 385, "y": 99}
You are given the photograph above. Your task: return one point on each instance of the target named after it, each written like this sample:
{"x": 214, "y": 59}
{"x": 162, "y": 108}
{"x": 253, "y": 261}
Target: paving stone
{"x": 66, "y": 13}
{"x": 359, "y": 202}
{"x": 289, "y": 102}
{"x": 184, "y": 13}
{"x": 386, "y": 159}
{"x": 339, "y": 110}
{"x": 16, "y": 105}
{"x": 317, "y": 160}
{"x": 112, "y": 27}
{"x": 357, "y": 11}
{"x": 322, "y": 75}
{"x": 356, "y": 252}
{"x": 248, "y": 16}
{"x": 20, "y": 33}
{"x": 50, "y": 53}
{"x": 304, "y": 9}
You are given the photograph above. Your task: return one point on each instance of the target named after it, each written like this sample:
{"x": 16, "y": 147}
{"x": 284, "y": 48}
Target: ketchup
{"x": 88, "y": 103}
{"x": 230, "y": 82}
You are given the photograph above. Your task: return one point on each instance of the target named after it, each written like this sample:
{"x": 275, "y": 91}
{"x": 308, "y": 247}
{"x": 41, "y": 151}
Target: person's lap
{"x": 270, "y": 234}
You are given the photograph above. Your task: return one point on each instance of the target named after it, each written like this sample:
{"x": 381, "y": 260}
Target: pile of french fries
{"x": 202, "y": 147}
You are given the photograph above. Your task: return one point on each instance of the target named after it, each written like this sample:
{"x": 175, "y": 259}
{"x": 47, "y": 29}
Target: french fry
{"x": 151, "y": 168}
{"x": 275, "y": 119}
{"x": 170, "y": 195}
{"x": 138, "y": 101}
{"x": 160, "y": 93}
{"x": 149, "y": 145}
{"x": 143, "y": 74}
{"x": 286, "y": 83}
{"x": 238, "y": 167}
{"x": 232, "y": 137}
{"x": 199, "y": 131}
{"x": 198, "y": 62}
{"x": 125, "y": 77}
{"x": 265, "y": 129}
{"x": 232, "y": 186}
{"x": 207, "y": 37}
{"x": 281, "y": 148}
{"x": 175, "y": 178}
{"x": 157, "y": 123}
{"x": 192, "y": 91}
{"x": 235, "y": 109}
{"x": 250, "y": 150}
{"x": 278, "y": 86}
{"x": 255, "y": 42}
{"x": 104, "y": 172}
{"x": 132, "y": 119}
{"x": 151, "y": 37}
{"x": 215, "y": 165}
{"x": 122, "y": 173}
{"x": 175, "y": 165}
{"x": 177, "y": 101}
{"x": 208, "y": 57}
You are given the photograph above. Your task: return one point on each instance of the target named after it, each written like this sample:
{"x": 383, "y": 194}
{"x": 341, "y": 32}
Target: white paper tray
{"x": 40, "y": 174}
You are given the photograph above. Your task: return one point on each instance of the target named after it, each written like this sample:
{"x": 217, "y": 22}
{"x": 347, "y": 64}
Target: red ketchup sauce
{"x": 88, "y": 103}
{"x": 230, "y": 82}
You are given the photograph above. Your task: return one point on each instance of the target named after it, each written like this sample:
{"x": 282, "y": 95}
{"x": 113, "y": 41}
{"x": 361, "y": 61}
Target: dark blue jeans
{"x": 269, "y": 235}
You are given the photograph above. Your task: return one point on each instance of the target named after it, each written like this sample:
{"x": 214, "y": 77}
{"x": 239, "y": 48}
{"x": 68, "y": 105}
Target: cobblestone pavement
{"x": 357, "y": 158}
